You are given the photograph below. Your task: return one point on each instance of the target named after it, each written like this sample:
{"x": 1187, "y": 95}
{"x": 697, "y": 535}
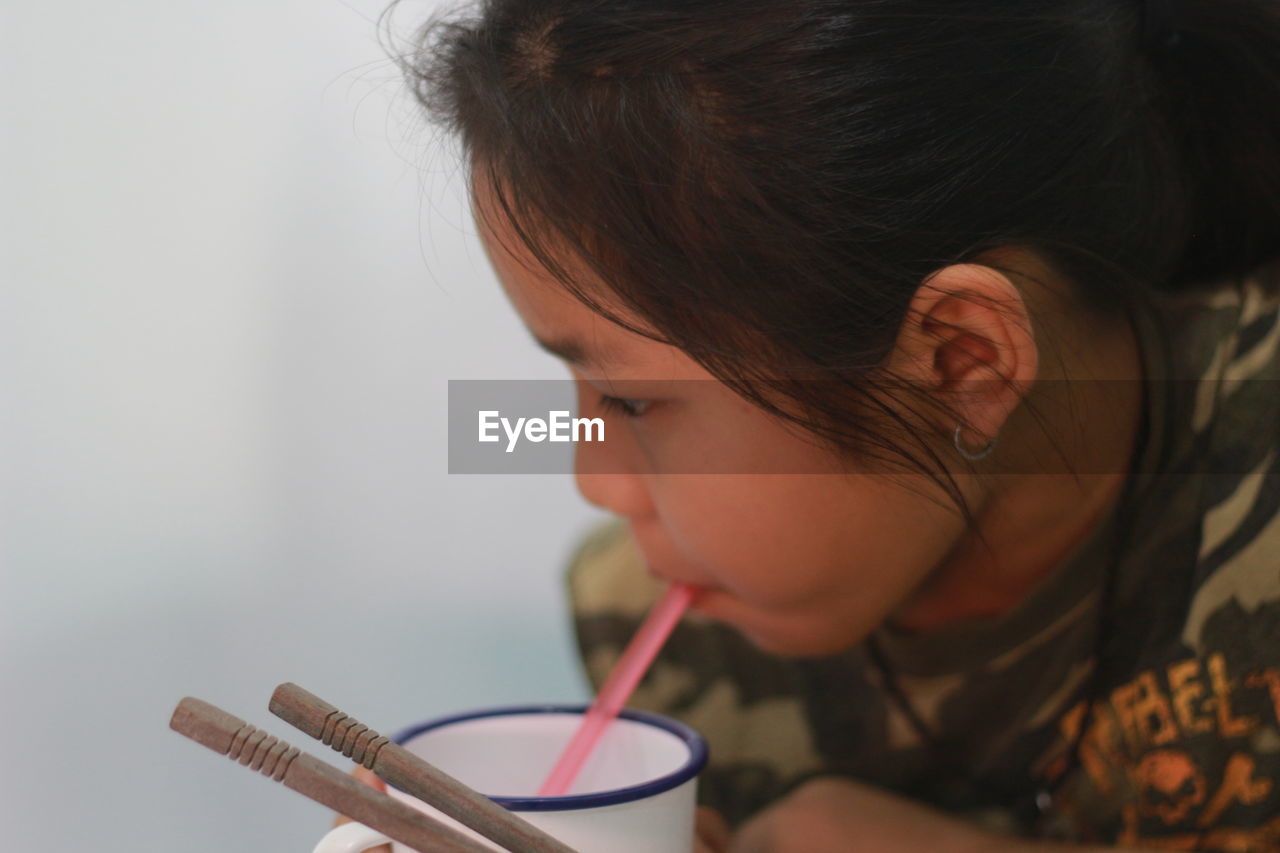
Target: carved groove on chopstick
{"x": 352, "y": 738}
{"x": 259, "y": 751}
{"x": 408, "y": 772}
{"x": 231, "y": 736}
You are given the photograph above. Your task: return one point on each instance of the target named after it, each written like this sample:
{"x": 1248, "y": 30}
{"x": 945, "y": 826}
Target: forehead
{"x": 560, "y": 322}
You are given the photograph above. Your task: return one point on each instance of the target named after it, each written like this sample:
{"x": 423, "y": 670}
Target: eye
{"x": 624, "y": 405}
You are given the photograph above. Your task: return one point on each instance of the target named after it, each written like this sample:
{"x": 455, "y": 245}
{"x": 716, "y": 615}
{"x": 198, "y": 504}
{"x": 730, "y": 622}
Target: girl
{"x": 937, "y": 343}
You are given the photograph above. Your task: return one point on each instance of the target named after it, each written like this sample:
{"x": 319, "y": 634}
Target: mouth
{"x": 708, "y": 601}
{"x": 701, "y": 588}
{"x": 666, "y": 578}
{"x": 701, "y": 591}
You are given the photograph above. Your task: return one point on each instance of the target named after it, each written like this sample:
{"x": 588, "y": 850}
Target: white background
{"x": 235, "y": 276}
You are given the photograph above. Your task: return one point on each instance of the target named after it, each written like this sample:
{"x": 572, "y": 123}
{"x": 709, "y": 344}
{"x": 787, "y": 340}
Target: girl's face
{"x": 801, "y": 563}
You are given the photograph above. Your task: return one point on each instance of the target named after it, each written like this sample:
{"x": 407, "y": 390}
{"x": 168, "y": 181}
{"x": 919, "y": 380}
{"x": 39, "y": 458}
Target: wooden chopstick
{"x": 411, "y": 774}
{"x": 311, "y": 777}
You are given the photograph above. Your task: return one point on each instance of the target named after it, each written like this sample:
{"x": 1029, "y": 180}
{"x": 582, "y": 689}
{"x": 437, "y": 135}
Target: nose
{"x": 621, "y": 494}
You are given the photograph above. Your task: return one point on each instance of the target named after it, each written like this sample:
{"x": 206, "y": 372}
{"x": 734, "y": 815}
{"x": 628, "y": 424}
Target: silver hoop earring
{"x": 971, "y": 456}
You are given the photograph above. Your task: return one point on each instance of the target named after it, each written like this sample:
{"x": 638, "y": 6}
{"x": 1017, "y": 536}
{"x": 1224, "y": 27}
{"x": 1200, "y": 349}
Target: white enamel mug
{"x": 635, "y": 794}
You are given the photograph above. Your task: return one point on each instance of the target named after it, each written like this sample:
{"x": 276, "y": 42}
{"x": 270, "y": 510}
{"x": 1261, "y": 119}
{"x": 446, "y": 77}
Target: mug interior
{"x": 506, "y": 754}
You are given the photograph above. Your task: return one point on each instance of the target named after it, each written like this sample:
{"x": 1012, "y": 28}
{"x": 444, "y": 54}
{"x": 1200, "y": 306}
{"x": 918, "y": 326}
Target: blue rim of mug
{"x": 695, "y": 743}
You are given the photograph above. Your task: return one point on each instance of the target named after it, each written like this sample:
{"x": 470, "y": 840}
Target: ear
{"x": 967, "y": 342}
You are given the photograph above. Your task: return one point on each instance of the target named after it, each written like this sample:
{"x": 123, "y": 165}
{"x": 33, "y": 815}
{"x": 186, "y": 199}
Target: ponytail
{"x": 1216, "y": 92}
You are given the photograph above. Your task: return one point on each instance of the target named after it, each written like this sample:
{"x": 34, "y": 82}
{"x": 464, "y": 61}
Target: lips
{"x": 698, "y": 587}
{"x": 665, "y": 577}
{"x": 651, "y": 567}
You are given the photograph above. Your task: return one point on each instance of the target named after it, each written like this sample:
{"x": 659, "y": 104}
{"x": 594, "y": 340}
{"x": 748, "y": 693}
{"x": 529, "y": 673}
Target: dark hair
{"x": 768, "y": 182}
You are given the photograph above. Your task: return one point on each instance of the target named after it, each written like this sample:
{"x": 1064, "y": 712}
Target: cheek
{"x": 792, "y": 542}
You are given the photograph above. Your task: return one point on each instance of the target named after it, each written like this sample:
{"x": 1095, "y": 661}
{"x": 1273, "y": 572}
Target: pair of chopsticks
{"x": 325, "y": 784}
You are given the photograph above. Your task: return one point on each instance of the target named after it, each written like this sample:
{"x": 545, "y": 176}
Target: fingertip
{"x": 712, "y": 830}
{"x": 364, "y": 776}
{"x": 369, "y": 778}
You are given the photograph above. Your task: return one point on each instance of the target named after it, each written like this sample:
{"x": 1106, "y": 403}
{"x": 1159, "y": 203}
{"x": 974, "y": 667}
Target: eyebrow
{"x": 573, "y": 351}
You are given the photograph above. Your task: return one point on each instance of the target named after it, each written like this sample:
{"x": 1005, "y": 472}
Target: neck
{"x": 1027, "y": 524}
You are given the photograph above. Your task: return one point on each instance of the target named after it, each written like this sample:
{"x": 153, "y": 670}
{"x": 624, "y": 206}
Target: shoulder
{"x": 1219, "y": 330}
{"x": 1203, "y": 500}
{"x": 1235, "y": 424}
{"x": 1189, "y": 721}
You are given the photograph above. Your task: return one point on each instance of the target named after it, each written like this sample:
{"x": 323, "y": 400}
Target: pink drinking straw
{"x": 617, "y": 689}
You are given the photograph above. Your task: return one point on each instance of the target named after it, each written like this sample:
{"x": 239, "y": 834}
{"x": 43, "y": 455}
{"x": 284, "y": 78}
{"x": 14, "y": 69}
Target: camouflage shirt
{"x": 1169, "y": 738}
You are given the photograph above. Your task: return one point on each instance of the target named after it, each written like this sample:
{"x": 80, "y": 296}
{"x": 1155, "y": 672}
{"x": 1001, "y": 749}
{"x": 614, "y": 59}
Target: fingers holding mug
{"x": 711, "y": 831}
{"x": 369, "y": 778}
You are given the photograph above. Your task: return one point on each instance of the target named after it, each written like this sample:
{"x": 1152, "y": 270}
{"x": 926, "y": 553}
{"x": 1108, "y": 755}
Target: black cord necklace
{"x": 1033, "y": 810}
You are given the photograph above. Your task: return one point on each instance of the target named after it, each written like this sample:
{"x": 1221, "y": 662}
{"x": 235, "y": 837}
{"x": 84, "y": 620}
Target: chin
{"x": 778, "y": 638}
{"x": 797, "y": 647}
